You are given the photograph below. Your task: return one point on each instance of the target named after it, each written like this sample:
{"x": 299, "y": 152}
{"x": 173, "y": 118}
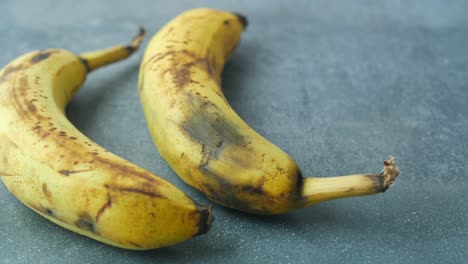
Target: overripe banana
{"x": 64, "y": 176}
{"x": 207, "y": 143}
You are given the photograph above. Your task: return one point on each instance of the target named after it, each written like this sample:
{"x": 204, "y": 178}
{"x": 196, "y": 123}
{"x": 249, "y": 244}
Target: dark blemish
{"x": 203, "y": 148}
{"x": 135, "y": 244}
{"x": 62, "y": 133}
{"x": 130, "y": 49}
{"x": 181, "y": 71}
{"x": 72, "y": 138}
{"x": 65, "y": 172}
{"x": 226, "y": 22}
{"x": 351, "y": 189}
{"x": 31, "y": 108}
{"x": 134, "y": 190}
{"x": 36, "y": 127}
{"x": 253, "y": 189}
{"x": 85, "y": 64}
{"x": 86, "y": 223}
{"x": 212, "y": 135}
{"x": 107, "y": 205}
{"x": 45, "y": 135}
{"x": 182, "y": 155}
{"x": 127, "y": 170}
{"x": 75, "y": 163}
{"x": 208, "y": 188}
{"x": 49, "y": 212}
{"x": 45, "y": 190}
{"x": 46, "y": 146}
{"x": 299, "y": 182}
{"x": 41, "y": 56}
{"x": 61, "y": 156}
{"x": 69, "y": 172}
{"x": 377, "y": 181}
{"x": 206, "y": 218}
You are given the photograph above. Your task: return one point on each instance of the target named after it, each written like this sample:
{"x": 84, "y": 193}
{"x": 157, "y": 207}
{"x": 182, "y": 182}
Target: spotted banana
{"x": 58, "y": 172}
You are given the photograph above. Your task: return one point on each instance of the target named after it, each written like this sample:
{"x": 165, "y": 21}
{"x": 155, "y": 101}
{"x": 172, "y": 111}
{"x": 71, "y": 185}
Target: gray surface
{"x": 339, "y": 85}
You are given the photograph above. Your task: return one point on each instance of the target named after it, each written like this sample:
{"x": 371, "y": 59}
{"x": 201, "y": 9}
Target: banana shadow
{"x": 237, "y": 73}
{"x": 98, "y": 86}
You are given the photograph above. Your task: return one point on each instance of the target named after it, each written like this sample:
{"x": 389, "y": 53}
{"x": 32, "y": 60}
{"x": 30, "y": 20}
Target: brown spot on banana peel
{"x": 46, "y": 191}
{"x": 123, "y": 169}
{"x": 141, "y": 190}
{"x": 182, "y": 62}
{"x": 43, "y": 210}
{"x": 86, "y": 222}
{"x": 9, "y": 70}
{"x": 135, "y": 244}
{"x": 106, "y": 206}
{"x": 69, "y": 172}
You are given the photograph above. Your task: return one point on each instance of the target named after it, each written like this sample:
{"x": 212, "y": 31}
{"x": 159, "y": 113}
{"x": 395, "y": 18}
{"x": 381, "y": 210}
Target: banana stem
{"x": 316, "y": 190}
{"x": 96, "y": 59}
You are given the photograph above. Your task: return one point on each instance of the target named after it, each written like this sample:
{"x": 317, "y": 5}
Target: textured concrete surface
{"x": 339, "y": 85}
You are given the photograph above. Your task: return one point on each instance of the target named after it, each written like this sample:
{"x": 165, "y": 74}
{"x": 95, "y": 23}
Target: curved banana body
{"x": 61, "y": 174}
{"x": 206, "y": 142}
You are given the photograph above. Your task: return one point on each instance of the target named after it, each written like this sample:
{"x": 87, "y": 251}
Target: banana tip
{"x": 390, "y": 172}
{"x": 137, "y": 40}
{"x": 206, "y": 219}
{"x": 242, "y": 19}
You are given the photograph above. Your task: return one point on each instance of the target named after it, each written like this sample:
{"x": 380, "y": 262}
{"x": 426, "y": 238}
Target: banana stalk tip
{"x": 206, "y": 220}
{"x": 137, "y": 40}
{"x": 389, "y": 173}
{"x": 243, "y": 19}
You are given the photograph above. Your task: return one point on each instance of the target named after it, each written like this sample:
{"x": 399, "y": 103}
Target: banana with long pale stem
{"x": 207, "y": 143}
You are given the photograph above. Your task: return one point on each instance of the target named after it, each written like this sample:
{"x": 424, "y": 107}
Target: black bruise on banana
{"x": 42, "y": 55}
{"x": 86, "y": 222}
{"x": 213, "y": 137}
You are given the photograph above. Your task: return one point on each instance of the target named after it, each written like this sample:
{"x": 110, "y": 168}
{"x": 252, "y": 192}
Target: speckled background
{"x": 339, "y": 85}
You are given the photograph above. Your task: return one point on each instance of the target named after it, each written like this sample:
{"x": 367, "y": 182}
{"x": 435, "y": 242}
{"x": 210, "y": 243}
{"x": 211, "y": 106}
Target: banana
{"x": 58, "y": 172}
{"x": 206, "y": 143}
